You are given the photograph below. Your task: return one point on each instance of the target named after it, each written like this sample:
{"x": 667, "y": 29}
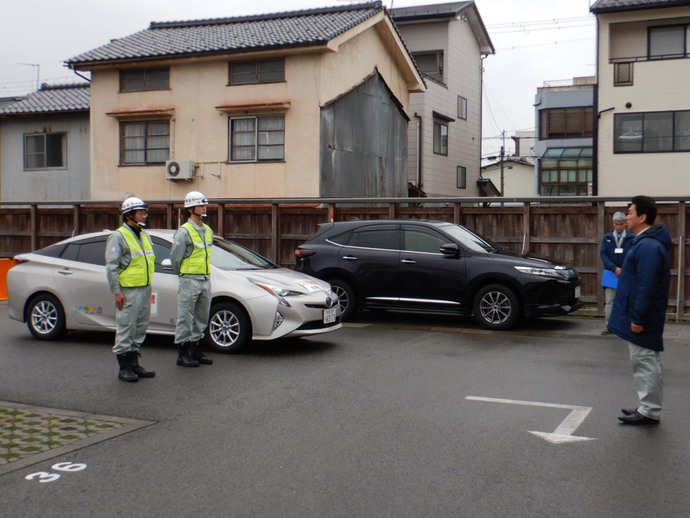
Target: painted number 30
{"x": 44, "y": 476}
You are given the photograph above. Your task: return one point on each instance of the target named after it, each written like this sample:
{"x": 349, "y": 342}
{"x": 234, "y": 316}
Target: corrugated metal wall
{"x": 363, "y": 135}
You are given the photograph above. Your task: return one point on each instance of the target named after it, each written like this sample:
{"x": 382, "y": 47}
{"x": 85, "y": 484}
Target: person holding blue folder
{"x": 614, "y": 246}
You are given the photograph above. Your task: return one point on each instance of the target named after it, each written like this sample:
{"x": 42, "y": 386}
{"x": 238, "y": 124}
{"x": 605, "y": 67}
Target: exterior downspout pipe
{"x": 419, "y": 149}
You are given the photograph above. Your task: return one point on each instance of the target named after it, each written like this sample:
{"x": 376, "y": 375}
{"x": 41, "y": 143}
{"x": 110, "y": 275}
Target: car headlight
{"x": 277, "y": 291}
{"x": 555, "y": 273}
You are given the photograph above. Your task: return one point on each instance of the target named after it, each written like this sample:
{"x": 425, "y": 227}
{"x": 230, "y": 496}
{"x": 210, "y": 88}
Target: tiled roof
{"x": 51, "y": 99}
{"x": 429, "y": 11}
{"x": 609, "y": 6}
{"x": 222, "y": 35}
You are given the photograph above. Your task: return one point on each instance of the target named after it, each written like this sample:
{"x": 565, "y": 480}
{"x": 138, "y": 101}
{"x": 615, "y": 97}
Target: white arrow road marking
{"x": 564, "y": 432}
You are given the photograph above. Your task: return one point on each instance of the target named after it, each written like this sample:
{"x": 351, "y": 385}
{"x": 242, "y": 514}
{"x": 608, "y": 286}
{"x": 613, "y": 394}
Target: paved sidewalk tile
{"x": 31, "y": 434}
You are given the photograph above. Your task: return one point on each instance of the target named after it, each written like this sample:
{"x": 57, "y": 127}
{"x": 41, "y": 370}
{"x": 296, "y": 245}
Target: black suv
{"x": 438, "y": 267}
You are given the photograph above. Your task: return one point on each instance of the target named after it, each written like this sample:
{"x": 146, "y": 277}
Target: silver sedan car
{"x": 63, "y": 287}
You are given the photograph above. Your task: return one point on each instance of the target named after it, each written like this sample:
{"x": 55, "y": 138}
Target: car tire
{"x": 496, "y": 307}
{"x": 45, "y": 317}
{"x": 228, "y": 329}
{"x": 347, "y": 298}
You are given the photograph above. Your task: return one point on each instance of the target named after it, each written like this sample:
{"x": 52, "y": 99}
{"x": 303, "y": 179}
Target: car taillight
{"x": 301, "y": 254}
{"x": 20, "y": 261}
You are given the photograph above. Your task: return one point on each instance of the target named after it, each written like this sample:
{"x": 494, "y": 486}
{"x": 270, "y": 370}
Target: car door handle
{"x": 408, "y": 261}
{"x": 349, "y": 258}
{"x": 65, "y": 272}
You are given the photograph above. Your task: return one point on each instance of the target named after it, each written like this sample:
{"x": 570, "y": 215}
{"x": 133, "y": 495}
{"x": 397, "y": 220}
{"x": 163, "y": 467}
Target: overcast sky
{"x": 535, "y": 41}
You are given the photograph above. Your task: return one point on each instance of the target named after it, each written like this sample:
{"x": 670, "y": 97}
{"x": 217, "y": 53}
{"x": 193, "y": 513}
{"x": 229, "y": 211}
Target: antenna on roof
{"x": 37, "y": 67}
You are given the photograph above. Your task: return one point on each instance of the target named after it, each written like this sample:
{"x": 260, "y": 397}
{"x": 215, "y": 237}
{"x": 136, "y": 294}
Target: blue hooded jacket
{"x": 642, "y": 294}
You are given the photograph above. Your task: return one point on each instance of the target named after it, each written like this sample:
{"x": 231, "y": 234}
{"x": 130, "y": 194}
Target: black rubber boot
{"x": 184, "y": 357}
{"x": 138, "y": 369}
{"x": 126, "y": 373}
{"x": 198, "y": 354}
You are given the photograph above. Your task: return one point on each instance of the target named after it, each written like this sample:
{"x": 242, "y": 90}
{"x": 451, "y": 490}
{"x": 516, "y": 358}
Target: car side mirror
{"x": 166, "y": 264}
{"x": 451, "y": 250}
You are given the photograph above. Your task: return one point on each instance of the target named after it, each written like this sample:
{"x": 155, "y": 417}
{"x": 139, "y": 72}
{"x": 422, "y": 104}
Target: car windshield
{"x": 227, "y": 255}
{"x": 469, "y": 239}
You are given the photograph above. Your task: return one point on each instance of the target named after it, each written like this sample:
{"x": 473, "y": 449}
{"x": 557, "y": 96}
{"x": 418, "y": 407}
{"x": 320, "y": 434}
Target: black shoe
{"x": 628, "y": 411}
{"x": 637, "y": 418}
{"x": 140, "y": 371}
{"x": 184, "y": 358}
{"x": 199, "y": 355}
{"x": 126, "y": 373}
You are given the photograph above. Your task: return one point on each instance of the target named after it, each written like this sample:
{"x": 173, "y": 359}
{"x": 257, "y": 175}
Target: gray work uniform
{"x": 133, "y": 319}
{"x": 193, "y": 291}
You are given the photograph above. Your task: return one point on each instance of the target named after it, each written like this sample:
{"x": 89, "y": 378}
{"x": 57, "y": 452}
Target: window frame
{"x": 656, "y": 57}
{"x": 584, "y": 113}
{"x": 257, "y": 79}
{"x": 440, "y": 141}
{"x": 618, "y": 68}
{"x": 146, "y": 149}
{"x": 146, "y": 80}
{"x": 462, "y": 108}
{"x": 461, "y": 173}
{"x": 567, "y": 163}
{"x": 257, "y": 146}
{"x": 438, "y": 74}
{"x": 645, "y": 120}
{"x": 46, "y": 151}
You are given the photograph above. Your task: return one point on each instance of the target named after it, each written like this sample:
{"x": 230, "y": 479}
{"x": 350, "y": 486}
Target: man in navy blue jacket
{"x": 639, "y": 310}
{"x": 614, "y": 247}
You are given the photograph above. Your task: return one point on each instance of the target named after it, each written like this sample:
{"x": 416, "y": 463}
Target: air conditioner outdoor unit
{"x": 179, "y": 169}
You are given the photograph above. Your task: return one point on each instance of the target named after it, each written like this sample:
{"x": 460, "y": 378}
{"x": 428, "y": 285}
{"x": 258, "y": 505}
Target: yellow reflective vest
{"x": 140, "y": 269}
{"x": 199, "y": 262}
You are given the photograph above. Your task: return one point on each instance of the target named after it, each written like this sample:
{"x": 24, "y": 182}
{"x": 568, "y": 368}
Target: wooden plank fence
{"x": 566, "y": 229}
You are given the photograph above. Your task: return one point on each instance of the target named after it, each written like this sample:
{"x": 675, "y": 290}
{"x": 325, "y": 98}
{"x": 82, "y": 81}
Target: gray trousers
{"x": 610, "y": 294}
{"x": 193, "y": 308}
{"x": 132, "y": 320}
{"x": 648, "y": 379}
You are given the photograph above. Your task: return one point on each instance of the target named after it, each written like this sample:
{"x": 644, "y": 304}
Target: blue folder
{"x": 609, "y": 279}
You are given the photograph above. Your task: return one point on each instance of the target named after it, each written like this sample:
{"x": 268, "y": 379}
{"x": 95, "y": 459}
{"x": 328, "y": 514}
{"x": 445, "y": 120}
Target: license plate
{"x": 329, "y": 316}
{"x": 577, "y": 292}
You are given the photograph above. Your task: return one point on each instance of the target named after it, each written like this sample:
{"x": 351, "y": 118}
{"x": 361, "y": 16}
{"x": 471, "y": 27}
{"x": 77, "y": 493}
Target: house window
{"x": 462, "y": 108}
{"x": 440, "y": 138}
{"x": 668, "y": 42}
{"x": 462, "y": 177}
{"x": 430, "y": 64}
{"x": 45, "y": 150}
{"x": 566, "y": 172}
{"x": 622, "y": 74}
{"x": 257, "y": 139}
{"x": 252, "y": 72}
{"x": 574, "y": 122}
{"x": 144, "y": 79}
{"x": 651, "y": 132}
{"x": 144, "y": 143}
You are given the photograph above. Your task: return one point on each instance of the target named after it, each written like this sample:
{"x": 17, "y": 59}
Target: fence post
{"x": 601, "y": 230}
{"x": 680, "y": 277}
{"x": 34, "y": 228}
{"x": 526, "y": 214}
{"x": 76, "y": 217}
{"x": 275, "y": 232}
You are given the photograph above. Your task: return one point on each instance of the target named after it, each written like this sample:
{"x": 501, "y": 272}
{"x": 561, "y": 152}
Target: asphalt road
{"x": 394, "y": 415}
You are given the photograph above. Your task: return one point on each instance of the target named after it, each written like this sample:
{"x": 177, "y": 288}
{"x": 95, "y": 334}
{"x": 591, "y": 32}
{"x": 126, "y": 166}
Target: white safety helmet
{"x": 194, "y": 199}
{"x": 133, "y": 203}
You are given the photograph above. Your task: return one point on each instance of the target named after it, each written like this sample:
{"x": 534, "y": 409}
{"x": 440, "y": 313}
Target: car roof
{"x": 400, "y": 221}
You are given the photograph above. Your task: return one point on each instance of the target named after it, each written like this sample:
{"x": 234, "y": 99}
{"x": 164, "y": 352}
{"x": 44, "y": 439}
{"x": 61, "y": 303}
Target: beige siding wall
{"x": 462, "y": 61}
{"x": 199, "y": 131}
{"x": 658, "y": 86}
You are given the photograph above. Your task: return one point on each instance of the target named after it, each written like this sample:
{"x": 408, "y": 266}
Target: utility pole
{"x": 503, "y": 151}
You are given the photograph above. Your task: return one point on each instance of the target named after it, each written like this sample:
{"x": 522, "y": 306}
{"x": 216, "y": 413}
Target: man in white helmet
{"x": 191, "y": 260}
{"x": 130, "y": 262}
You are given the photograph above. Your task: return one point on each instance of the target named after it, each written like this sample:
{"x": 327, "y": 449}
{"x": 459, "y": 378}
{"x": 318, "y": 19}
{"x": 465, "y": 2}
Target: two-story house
{"x": 44, "y": 145}
{"x": 448, "y": 42}
{"x": 643, "y": 73}
{"x": 296, "y": 104}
